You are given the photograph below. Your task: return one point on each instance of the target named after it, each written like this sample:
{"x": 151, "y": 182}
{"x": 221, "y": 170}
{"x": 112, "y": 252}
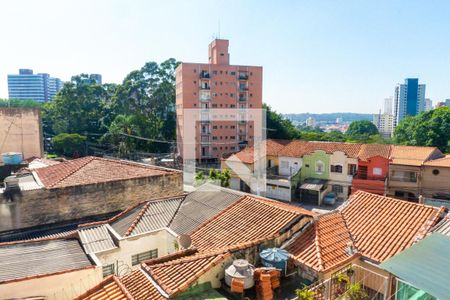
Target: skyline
{"x": 335, "y": 58}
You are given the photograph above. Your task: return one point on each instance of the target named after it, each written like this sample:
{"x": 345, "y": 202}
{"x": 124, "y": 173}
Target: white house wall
{"x": 290, "y": 166}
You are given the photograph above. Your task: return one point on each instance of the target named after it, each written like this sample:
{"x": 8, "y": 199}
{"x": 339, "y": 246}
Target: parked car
{"x": 330, "y": 198}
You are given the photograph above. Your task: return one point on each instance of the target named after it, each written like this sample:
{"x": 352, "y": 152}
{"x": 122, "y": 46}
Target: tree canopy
{"x": 278, "y": 127}
{"x": 362, "y": 127}
{"x": 112, "y": 115}
{"x": 431, "y": 128}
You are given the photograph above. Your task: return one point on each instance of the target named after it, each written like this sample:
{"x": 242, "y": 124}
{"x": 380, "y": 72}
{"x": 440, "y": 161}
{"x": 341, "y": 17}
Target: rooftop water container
{"x": 274, "y": 258}
{"x": 12, "y": 158}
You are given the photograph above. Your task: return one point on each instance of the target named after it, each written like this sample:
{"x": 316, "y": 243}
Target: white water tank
{"x": 240, "y": 269}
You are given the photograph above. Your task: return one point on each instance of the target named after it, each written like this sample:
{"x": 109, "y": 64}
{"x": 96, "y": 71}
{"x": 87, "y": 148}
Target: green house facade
{"x": 316, "y": 165}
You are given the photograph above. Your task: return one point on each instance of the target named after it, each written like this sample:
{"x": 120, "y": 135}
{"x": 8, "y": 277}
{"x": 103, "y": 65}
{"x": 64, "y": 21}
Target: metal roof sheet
{"x": 41, "y": 257}
{"x": 96, "y": 239}
{"x": 443, "y": 227}
{"x": 425, "y": 265}
{"x": 201, "y": 205}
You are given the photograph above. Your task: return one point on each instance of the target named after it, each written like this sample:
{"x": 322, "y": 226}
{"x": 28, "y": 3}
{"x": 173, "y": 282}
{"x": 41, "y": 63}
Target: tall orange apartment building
{"x": 214, "y": 86}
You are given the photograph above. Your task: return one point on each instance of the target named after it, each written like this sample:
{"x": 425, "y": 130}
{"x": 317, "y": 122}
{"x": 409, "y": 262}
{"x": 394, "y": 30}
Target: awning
{"x": 313, "y": 184}
{"x": 425, "y": 265}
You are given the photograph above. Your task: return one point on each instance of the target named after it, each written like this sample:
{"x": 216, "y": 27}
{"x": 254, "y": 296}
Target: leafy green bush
{"x": 69, "y": 144}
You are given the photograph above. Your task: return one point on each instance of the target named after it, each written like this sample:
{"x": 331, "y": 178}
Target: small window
{"x": 351, "y": 169}
{"x": 307, "y": 166}
{"x": 233, "y": 73}
{"x": 336, "y": 168}
{"x": 138, "y": 258}
{"x": 435, "y": 172}
{"x": 108, "y": 270}
{"x": 377, "y": 171}
{"x": 319, "y": 167}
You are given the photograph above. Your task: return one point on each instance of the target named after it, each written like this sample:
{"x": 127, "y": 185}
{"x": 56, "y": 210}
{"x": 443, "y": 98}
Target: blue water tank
{"x": 274, "y": 257}
{"x": 12, "y": 158}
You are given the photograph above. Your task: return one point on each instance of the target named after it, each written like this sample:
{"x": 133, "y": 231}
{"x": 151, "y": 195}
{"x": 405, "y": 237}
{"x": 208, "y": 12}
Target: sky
{"x": 317, "y": 56}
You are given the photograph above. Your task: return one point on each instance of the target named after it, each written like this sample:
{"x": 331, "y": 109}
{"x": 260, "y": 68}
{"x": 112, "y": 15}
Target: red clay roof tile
{"x": 92, "y": 170}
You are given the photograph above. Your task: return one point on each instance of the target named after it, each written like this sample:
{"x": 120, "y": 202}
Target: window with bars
{"x": 337, "y": 188}
{"x": 138, "y": 258}
{"x": 336, "y": 168}
{"x": 108, "y": 270}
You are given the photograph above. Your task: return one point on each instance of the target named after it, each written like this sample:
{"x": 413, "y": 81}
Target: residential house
{"x": 421, "y": 271}
{"x": 80, "y": 188}
{"x": 238, "y": 231}
{"x": 436, "y": 178}
{"x": 365, "y": 231}
{"x": 327, "y": 167}
{"x": 46, "y": 269}
{"x": 373, "y": 169}
{"x": 405, "y": 176}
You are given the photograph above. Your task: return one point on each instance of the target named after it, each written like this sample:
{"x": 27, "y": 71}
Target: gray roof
{"x": 40, "y": 258}
{"x": 425, "y": 265}
{"x": 443, "y": 227}
{"x": 201, "y": 205}
{"x": 148, "y": 216}
{"x": 96, "y": 239}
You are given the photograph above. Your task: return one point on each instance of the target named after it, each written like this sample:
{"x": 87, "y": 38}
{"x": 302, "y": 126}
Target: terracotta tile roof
{"x": 177, "y": 275}
{"x": 440, "y": 162}
{"x": 247, "y": 222}
{"x": 109, "y": 289}
{"x": 378, "y": 226}
{"x": 299, "y": 148}
{"x": 324, "y": 243}
{"x": 273, "y": 148}
{"x": 140, "y": 287}
{"x": 411, "y": 155}
{"x": 383, "y": 226}
{"x": 371, "y": 150}
{"x": 92, "y": 170}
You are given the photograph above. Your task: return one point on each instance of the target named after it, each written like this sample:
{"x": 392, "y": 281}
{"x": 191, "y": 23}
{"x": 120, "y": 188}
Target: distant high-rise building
{"x": 428, "y": 104}
{"x": 384, "y": 124}
{"x": 311, "y": 122}
{"x": 409, "y": 99}
{"x": 388, "y": 105}
{"x": 217, "y": 84}
{"x": 28, "y": 86}
{"x": 96, "y": 77}
{"x": 440, "y": 104}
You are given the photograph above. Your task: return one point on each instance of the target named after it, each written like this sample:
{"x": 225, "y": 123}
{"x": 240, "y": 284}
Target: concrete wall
{"x": 21, "y": 131}
{"x": 39, "y": 207}
{"x": 162, "y": 240}
{"x": 55, "y": 287}
{"x": 433, "y": 183}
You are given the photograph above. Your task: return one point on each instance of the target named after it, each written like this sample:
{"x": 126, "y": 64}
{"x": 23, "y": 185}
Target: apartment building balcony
{"x": 205, "y": 87}
{"x": 371, "y": 184}
{"x": 205, "y": 75}
{"x": 243, "y": 76}
{"x": 242, "y": 98}
{"x": 243, "y": 88}
{"x": 205, "y": 95}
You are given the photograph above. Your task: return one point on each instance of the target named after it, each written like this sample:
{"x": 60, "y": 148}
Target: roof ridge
{"x": 137, "y": 219}
{"x": 317, "y": 246}
{"x": 86, "y": 160}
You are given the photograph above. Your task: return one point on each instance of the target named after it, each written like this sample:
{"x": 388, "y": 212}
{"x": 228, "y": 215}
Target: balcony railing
{"x": 205, "y": 75}
{"x": 242, "y": 98}
{"x": 205, "y": 87}
{"x": 243, "y": 76}
{"x": 366, "y": 177}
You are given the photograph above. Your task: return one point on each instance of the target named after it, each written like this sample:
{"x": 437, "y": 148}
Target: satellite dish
{"x": 185, "y": 241}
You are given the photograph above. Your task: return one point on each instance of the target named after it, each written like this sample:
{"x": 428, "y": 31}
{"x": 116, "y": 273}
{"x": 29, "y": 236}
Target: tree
{"x": 118, "y": 134}
{"x": 79, "y": 107}
{"x": 69, "y": 144}
{"x": 431, "y": 128}
{"x": 362, "y": 128}
{"x": 278, "y": 127}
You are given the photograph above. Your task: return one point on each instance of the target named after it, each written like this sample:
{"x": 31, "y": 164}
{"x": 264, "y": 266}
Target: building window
{"x": 108, "y": 270}
{"x": 138, "y": 258}
{"x": 338, "y": 189}
{"x": 377, "y": 171}
{"x": 319, "y": 167}
{"x": 435, "y": 172}
{"x": 336, "y": 168}
{"x": 351, "y": 169}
